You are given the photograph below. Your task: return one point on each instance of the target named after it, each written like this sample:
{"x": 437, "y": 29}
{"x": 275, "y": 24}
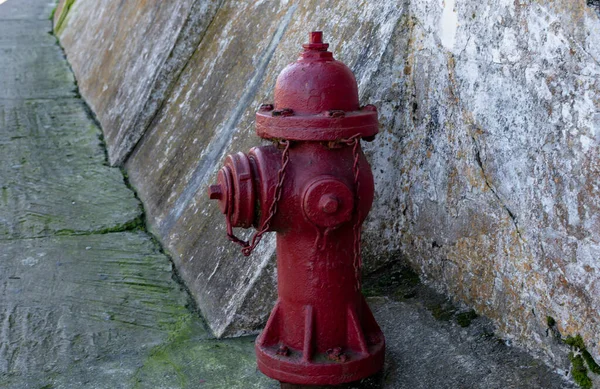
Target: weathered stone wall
{"x": 126, "y": 56}
{"x": 486, "y": 167}
{"x": 499, "y": 162}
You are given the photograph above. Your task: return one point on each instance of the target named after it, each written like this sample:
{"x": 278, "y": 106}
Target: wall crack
{"x": 492, "y": 189}
{"x": 469, "y": 121}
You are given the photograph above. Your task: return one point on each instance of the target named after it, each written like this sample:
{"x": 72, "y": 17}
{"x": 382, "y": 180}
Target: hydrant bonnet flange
{"x": 316, "y": 99}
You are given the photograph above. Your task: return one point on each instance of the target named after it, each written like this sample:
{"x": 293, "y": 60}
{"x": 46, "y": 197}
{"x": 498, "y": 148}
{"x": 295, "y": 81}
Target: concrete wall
{"x": 127, "y": 55}
{"x": 486, "y": 167}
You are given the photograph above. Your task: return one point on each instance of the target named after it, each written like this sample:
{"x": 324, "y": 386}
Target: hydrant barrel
{"x": 314, "y": 188}
{"x": 321, "y": 319}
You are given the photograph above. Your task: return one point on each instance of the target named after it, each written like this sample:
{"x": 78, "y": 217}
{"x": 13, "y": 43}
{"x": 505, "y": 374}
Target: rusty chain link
{"x": 354, "y": 141}
{"x": 249, "y": 246}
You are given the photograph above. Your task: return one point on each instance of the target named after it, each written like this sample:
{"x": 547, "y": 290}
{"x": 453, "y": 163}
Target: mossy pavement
{"x": 88, "y": 299}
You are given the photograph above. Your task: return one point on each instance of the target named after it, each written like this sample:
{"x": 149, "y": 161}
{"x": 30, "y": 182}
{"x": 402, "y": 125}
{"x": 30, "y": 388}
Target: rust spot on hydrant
{"x": 336, "y": 354}
{"x": 266, "y": 107}
{"x": 283, "y": 112}
{"x": 283, "y": 351}
{"x": 314, "y": 188}
{"x": 336, "y": 113}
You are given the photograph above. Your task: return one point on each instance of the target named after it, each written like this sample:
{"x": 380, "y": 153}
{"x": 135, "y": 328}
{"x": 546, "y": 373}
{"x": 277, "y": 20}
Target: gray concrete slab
{"x": 425, "y": 353}
{"x": 24, "y": 32}
{"x": 54, "y": 178}
{"x": 87, "y": 298}
{"x": 34, "y": 72}
{"x": 26, "y": 9}
{"x": 103, "y": 311}
{"x": 31, "y": 66}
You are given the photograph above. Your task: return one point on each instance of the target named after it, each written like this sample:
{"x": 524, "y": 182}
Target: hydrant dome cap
{"x": 315, "y": 85}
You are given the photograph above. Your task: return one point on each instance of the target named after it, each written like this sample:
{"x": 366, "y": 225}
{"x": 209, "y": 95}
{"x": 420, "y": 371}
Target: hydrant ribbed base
{"x": 362, "y": 357}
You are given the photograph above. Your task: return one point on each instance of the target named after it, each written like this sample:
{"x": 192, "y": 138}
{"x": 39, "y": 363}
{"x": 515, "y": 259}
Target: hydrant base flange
{"x": 362, "y": 356}
{"x": 322, "y": 374}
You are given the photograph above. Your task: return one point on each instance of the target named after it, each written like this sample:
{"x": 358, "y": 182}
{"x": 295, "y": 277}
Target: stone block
{"x": 126, "y": 56}
{"x": 46, "y": 190}
{"x": 490, "y": 187}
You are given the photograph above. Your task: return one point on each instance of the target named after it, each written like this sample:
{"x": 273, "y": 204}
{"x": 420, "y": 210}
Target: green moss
{"x": 190, "y": 359}
{"x": 464, "y": 319}
{"x": 136, "y": 224}
{"x": 179, "y": 332}
{"x": 125, "y": 175}
{"x": 579, "y": 371}
{"x": 442, "y": 312}
{"x": 550, "y": 321}
{"x": 399, "y": 282}
{"x": 63, "y": 15}
{"x": 580, "y": 361}
{"x": 67, "y": 232}
{"x": 591, "y": 363}
{"x": 576, "y": 342}
{"x": 51, "y": 17}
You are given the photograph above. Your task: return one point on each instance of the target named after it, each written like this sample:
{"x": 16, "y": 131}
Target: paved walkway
{"x": 88, "y": 300}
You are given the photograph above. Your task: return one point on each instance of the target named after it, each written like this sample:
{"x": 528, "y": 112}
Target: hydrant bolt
{"x": 266, "y": 107}
{"x": 215, "y": 192}
{"x": 328, "y": 204}
{"x": 314, "y": 188}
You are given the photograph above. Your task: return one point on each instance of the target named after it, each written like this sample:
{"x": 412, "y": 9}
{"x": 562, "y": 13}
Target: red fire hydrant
{"x": 313, "y": 187}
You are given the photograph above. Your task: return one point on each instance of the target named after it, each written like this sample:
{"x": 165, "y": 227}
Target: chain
{"x": 249, "y": 246}
{"x": 354, "y": 141}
